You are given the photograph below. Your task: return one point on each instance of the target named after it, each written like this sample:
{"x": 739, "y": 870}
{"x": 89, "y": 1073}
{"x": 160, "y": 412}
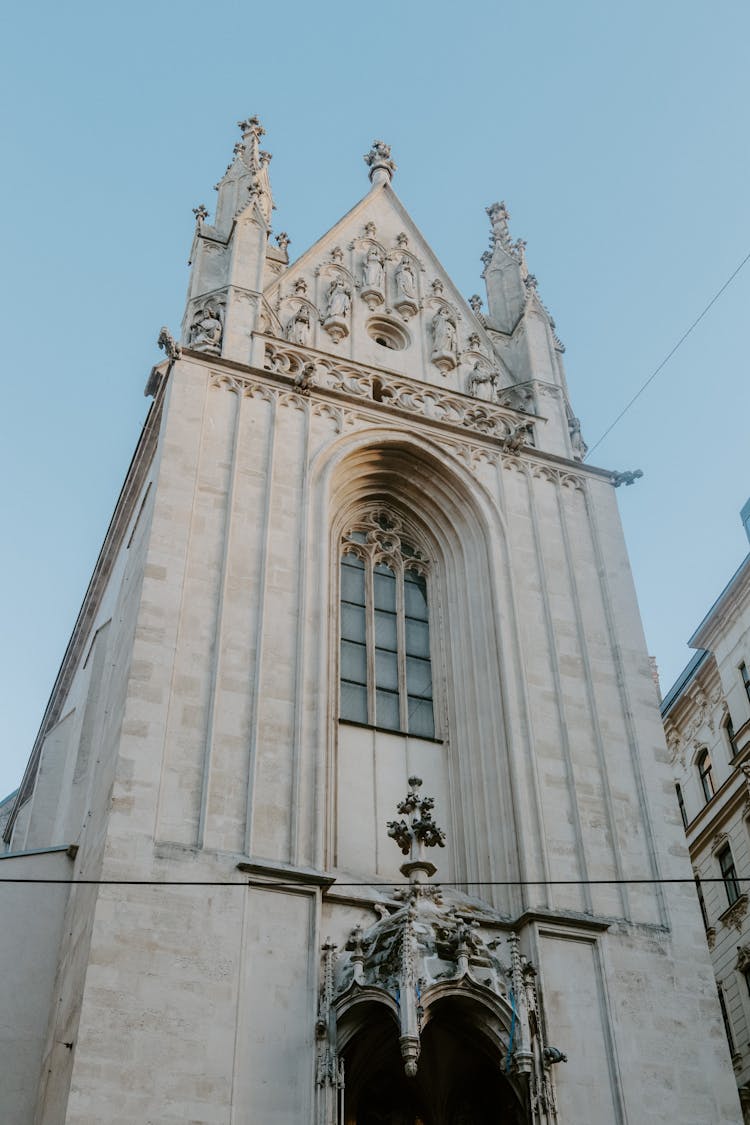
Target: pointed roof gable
{"x": 377, "y": 269}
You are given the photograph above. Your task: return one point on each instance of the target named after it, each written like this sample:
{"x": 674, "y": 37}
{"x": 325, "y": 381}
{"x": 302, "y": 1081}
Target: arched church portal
{"x": 460, "y": 1078}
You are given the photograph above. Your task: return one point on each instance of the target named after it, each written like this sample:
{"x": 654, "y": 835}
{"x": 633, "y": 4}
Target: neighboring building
{"x": 707, "y": 723}
{"x": 357, "y": 546}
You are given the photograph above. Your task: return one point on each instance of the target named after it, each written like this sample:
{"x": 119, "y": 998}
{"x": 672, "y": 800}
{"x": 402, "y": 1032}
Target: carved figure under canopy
{"x": 406, "y": 286}
{"x": 443, "y": 332}
{"x": 339, "y": 301}
{"x": 206, "y": 328}
{"x": 372, "y": 277}
{"x": 298, "y": 328}
{"x": 481, "y": 383}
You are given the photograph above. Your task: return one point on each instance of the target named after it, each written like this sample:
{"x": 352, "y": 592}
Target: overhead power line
{"x": 285, "y": 883}
{"x": 667, "y": 358}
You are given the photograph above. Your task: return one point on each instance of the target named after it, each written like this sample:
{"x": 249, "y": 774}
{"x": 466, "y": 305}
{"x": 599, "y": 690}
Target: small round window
{"x": 387, "y": 334}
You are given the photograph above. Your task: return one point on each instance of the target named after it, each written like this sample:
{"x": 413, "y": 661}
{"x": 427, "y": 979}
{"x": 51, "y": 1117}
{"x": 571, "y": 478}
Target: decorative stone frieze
{"x": 497, "y": 422}
{"x": 735, "y": 914}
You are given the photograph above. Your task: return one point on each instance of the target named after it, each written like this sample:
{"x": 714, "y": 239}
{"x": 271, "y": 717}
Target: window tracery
{"x": 385, "y": 660}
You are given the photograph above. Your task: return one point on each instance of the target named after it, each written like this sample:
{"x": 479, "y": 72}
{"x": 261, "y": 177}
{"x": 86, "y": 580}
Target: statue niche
{"x": 372, "y": 279}
{"x": 206, "y": 328}
{"x": 444, "y": 340}
{"x": 299, "y": 327}
{"x": 338, "y": 310}
{"x": 406, "y": 301}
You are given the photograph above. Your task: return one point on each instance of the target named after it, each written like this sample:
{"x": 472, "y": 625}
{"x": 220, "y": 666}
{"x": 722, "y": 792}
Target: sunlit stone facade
{"x": 707, "y": 724}
{"x": 355, "y": 755}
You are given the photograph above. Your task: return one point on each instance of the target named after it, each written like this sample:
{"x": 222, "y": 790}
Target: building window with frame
{"x": 745, "y": 679}
{"x": 725, "y": 1018}
{"x": 681, "y": 803}
{"x": 731, "y": 739}
{"x": 729, "y": 874}
{"x": 706, "y": 774}
{"x": 385, "y": 661}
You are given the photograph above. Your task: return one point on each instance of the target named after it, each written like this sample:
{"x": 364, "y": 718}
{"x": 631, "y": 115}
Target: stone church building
{"x": 351, "y": 803}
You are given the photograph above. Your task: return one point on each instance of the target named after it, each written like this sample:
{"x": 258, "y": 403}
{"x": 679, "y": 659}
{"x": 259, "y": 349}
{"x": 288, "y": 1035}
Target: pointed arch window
{"x": 385, "y": 661}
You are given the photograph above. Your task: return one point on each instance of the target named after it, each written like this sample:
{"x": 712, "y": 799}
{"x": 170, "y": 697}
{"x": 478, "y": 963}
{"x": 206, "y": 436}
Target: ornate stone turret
{"x": 503, "y": 273}
{"x": 524, "y": 336}
{"x": 232, "y": 259}
{"x": 423, "y": 951}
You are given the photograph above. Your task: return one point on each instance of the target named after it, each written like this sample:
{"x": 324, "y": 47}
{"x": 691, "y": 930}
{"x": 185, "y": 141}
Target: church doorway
{"x": 460, "y": 1079}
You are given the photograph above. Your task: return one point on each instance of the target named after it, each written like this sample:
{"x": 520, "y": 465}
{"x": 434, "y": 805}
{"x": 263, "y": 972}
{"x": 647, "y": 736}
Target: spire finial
{"x": 499, "y": 216}
{"x": 381, "y": 165}
{"x": 256, "y": 160}
{"x": 416, "y": 834}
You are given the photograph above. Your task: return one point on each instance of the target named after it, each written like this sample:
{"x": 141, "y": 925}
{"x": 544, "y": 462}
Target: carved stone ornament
{"x": 300, "y": 286}
{"x": 444, "y": 340}
{"x": 501, "y": 422}
{"x": 499, "y": 216}
{"x": 424, "y": 951}
{"x": 406, "y": 302}
{"x": 283, "y": 240}
{"x": 201, "y": 213}
{"x": 381, "y": 165}
{"x": 372, "y": 279}
{"x": 628, "y": 476}
{"x": 482, "y": 382}
{"x": 299, "y": 327}
{"x": 475, "y": 302}
{"x": 168, "y": 344}
{"x": 743, "y": 958}
{"x": 206, "y": 328}
{"x": 577, "y": 444}
{"x": 338, "y": 308}
{"x": 736, "y": 913}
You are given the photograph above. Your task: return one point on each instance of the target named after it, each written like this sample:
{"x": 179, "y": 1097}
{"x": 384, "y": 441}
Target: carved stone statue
{"x": 577, "y": 443}
{"x": 338, "y": 307}
{"x": 372, "y": 277}
{"x": 406, "y": 289}
{"x": 481, "y": 383}
{"x": 406, "y": 286}
{"x": 206, "y": 329}
{"x": 339, "y": 301}
{"x": 443, "y": 340}
{"x": 299, "y": 328}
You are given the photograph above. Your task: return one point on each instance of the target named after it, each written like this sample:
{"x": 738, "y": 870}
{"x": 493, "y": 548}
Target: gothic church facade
{"x": 354, "y": 760}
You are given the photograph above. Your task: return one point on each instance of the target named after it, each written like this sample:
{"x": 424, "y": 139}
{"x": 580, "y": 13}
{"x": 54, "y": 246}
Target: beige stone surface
{"x": 201, "y": 705}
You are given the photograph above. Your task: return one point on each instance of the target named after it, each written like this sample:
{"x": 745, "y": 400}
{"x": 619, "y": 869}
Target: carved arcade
{"x": 427, "y": 946}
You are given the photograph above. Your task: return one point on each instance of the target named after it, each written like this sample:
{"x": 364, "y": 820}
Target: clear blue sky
{"x": 617, "y": 134}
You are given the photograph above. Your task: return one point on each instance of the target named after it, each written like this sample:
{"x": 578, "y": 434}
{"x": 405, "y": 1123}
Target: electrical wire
{"x": 324, "y": 882}
{"x": 667, "y": 358}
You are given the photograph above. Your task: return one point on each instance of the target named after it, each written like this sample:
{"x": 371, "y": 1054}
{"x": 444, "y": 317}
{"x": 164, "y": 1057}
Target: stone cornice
{"x": 227, "y": 370}
{"x": 118, "y": 525}
{"x": 727, "y": 606}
